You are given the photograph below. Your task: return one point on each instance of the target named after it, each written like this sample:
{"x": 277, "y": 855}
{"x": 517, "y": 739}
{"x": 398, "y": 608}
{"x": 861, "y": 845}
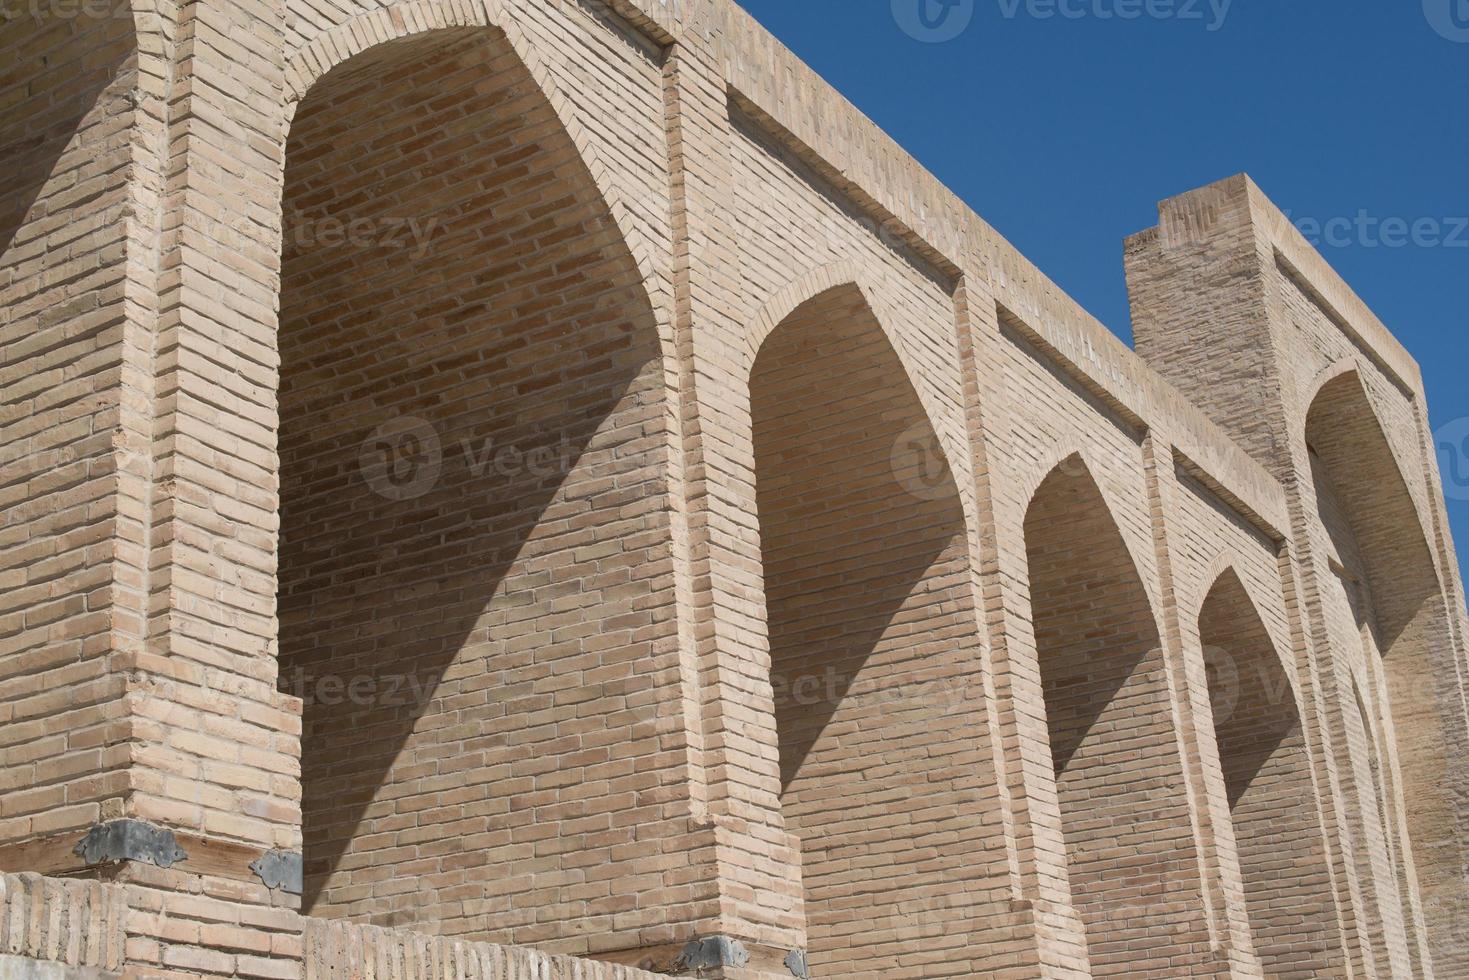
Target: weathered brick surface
{"x": 68, "y": 532}
{"x": 874, "y": 655}
{"x": 1119, "y": 776}
{"x": 75, "y": 923}
{"x": 487, "y": 641}
{"x": 560, "y": 468}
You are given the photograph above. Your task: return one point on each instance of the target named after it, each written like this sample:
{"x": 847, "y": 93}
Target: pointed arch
{"x": 1339, "y": 397}
{"x": 1079, "y": 463}
{"x": 1394, "y": 629}
{"x": 850, "y": 278}
{"x": 1267, "y": 779}
{"x": 874, "y": 643}
{"x": 1224, "y": 571}
{"x": 405, "y": 19}
{"x": 1119, "y": 775}
{"x": 471, "y": 399}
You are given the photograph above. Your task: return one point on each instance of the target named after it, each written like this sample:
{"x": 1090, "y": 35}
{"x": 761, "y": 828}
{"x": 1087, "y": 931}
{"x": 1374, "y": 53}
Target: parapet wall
{"x": 75, "y": 924}
{"x": 77, "y": 930}
{"x": 343, "y": 951}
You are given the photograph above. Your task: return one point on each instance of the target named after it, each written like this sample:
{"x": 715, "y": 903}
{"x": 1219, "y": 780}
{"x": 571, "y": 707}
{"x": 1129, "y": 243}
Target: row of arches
{"x": 476, "y": 449}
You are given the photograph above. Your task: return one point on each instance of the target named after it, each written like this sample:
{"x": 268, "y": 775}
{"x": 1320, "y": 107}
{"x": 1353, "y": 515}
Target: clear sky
{"x": 1064, "y": 131}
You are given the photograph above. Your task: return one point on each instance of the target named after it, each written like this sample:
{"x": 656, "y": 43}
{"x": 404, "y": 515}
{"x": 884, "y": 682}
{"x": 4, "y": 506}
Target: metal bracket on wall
{"x": 280, "y": 871}
{"x": 130, "y": 840}
{"x": 712, "y": 953}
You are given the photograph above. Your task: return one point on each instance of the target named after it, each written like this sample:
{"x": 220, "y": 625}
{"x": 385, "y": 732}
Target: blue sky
{"x": 1065, "y": 131}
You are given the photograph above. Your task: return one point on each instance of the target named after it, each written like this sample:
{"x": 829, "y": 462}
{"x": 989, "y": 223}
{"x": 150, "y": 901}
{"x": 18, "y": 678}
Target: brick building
{"x": 545, "y": 488}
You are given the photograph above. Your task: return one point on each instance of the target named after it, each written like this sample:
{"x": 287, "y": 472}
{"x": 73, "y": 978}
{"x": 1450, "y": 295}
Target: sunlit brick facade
{"x": 545, "y": 488}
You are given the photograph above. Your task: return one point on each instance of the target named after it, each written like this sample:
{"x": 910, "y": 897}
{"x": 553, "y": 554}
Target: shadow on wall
{"x": 885, "y": 777}
{"x": 1386, "y": 577}
{"x": 1253, "y": 701}
{"x": 471, "y": 460}
{"x": 1267, "y": 776}
{"x": 64, "y": 78}
{"x": 846, "y": 545}
{"x": 1088, "y": 600}
{"x": 1119, "y": 775}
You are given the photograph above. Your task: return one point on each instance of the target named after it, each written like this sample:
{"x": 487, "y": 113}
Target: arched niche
{"x": 475, "y": 596}
{"x": 1267, "y": 777}
{"x": 1119, "y": 776}
{"x": 874, "y": 650}
{"x": 1388, "y": 622}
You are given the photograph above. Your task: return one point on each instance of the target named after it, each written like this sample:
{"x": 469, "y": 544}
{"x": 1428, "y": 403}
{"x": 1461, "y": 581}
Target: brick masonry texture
{"x": 560, "y": 472}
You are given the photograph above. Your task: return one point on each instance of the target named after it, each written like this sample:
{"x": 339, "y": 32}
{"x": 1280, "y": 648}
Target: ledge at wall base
{"x": 715, "y": 958}
{"x": 116, "y": 842}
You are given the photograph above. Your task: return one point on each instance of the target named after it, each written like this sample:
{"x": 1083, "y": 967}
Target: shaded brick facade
{"x": 511, "y": 487}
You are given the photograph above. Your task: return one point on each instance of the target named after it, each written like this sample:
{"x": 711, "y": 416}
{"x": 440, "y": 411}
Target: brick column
{"x": 757, "y": 863}
{"x": 1221, "y": 886}
{"x": 1038, "y": 851}
{"x": 176, "y": 756}
{"x": 215, "y": 747}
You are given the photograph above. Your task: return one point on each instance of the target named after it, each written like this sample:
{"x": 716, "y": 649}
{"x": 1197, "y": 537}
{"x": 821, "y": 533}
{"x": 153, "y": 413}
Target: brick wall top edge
{"x": 785, "y": 88}
{"x": 1275, "y": 230}
{"x": 1287, "y": 239}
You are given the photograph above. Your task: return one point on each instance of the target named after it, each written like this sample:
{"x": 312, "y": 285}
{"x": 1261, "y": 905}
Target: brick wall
{"x": 1267, "y": 772}
{"x": 874, "y": 654}
{"x": 476, "y": 588}
{"x": 1119, "y": 775}
{"x": 1380, "y": 636}
{"x": 539, "y": 686}
{"x": 66, "y": 108}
